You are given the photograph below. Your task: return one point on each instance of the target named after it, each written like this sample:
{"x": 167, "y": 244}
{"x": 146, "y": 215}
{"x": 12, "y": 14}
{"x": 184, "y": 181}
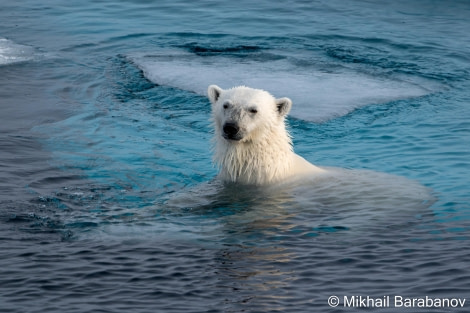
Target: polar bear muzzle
{"x": 231, "y": 131}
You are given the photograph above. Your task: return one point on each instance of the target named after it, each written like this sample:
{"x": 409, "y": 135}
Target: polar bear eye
{"x": 226, "y": 105}
{"x": 253, "y": 110}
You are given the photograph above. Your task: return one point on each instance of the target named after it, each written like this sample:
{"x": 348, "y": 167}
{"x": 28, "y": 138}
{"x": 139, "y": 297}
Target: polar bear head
{"x": 243, "y": 114}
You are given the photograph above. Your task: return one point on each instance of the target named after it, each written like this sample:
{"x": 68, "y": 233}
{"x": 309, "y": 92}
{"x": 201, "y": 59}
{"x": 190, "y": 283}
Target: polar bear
{"x": 251, "y": 143}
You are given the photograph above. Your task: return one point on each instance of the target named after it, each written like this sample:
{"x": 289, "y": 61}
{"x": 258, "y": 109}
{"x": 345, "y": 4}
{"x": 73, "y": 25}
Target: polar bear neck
{"x": 264, "y": 160}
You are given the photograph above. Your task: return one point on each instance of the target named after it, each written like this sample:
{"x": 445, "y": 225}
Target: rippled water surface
{"x": 108, "y": 201}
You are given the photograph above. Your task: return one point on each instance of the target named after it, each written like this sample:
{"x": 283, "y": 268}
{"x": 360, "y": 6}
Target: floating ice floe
{"x": 317, "y": 95}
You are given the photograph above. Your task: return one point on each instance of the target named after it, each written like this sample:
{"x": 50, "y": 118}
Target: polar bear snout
{"x": 231, "y": 131}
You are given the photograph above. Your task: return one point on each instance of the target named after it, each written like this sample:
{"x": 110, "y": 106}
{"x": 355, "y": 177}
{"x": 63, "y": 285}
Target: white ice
{"x": 317, "y": 95}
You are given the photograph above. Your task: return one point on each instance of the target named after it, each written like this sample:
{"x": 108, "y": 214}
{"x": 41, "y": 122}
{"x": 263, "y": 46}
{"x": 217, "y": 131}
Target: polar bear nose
{"x": 231, "y": 129}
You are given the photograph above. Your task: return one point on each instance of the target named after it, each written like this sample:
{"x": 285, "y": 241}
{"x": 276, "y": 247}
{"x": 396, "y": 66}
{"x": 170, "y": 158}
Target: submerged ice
{"x": 11, "y": 52}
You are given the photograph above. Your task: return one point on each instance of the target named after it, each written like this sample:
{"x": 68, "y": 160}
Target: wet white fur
{"x": 264, "y": 155}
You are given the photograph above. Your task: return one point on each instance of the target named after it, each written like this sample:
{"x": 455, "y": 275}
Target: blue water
{"x": 107, "y": 198}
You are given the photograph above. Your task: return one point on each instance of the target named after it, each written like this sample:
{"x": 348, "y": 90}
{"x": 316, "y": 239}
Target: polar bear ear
{"x": 214, "y": 92}
{"x": 283, "y": 106}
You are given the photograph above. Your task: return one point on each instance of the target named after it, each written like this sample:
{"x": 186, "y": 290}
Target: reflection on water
{"x": 254, "y": 278}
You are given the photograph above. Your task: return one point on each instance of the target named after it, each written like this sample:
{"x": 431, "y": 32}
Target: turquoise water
{"x": 107, "y": 198}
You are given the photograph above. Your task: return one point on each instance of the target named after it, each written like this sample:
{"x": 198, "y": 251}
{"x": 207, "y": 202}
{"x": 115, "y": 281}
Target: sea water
{"x": 108, "y": 201}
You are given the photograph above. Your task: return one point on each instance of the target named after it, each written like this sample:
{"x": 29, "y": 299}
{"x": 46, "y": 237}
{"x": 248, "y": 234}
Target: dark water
{"x": 107, "y": 202}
